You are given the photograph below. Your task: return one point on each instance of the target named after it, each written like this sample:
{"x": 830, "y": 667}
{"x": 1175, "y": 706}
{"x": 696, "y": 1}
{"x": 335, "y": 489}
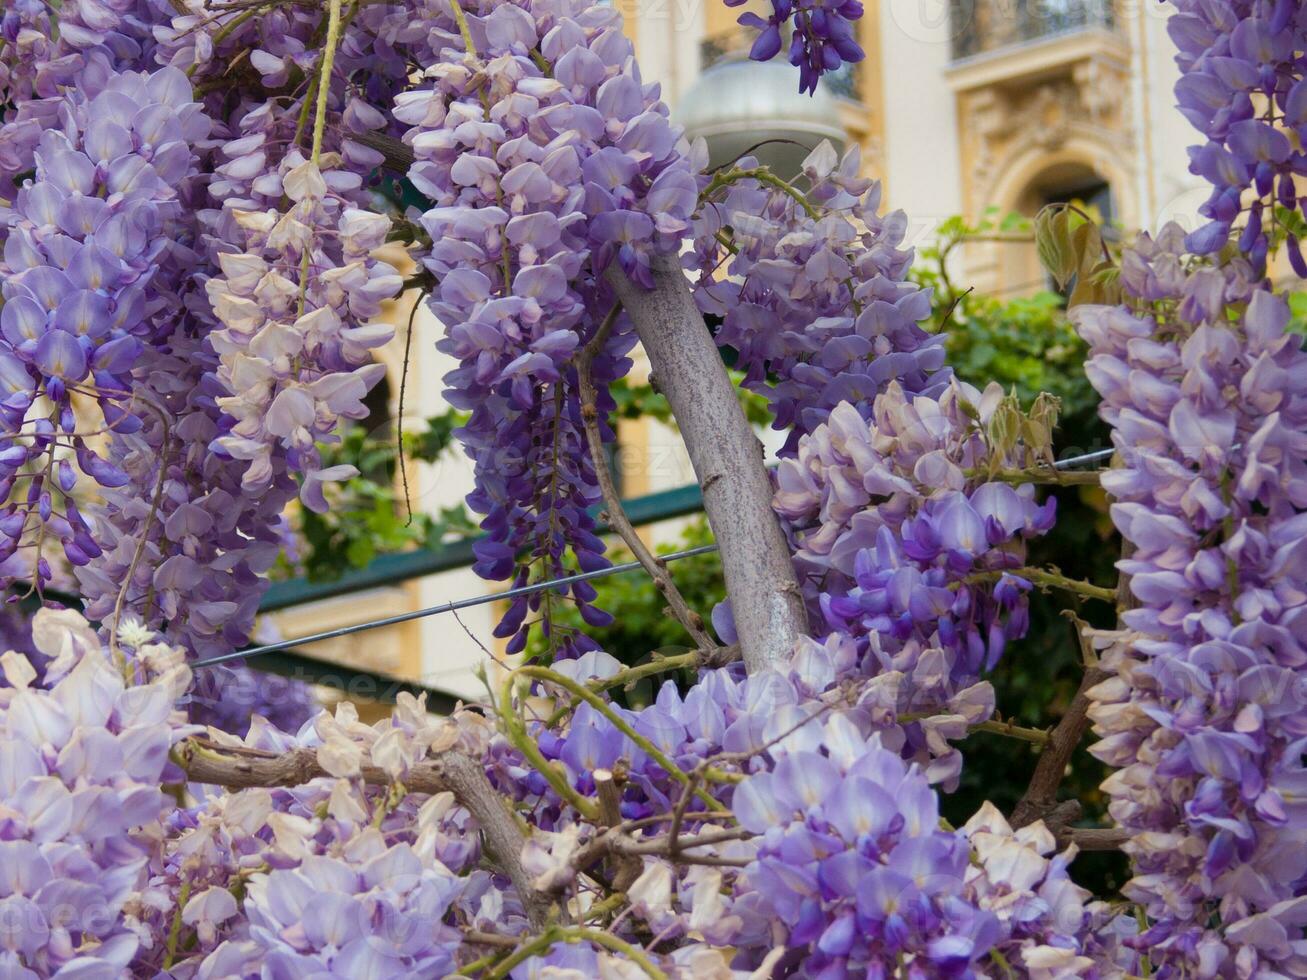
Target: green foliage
{"x": 644, "y": 401}
{"x": 1072, "y": 249}
{"x": 640, "y": 623}
{"x": 1024, "y": 343}
{"x": 1298, "y": 312}
{"x": 432, "y": 443}
{"x": 368, "y": 516}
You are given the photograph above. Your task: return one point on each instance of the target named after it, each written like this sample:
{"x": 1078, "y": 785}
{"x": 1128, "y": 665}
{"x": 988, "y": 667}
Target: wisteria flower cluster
{"x": 196, "y": 424}
{"x": 331, "y": 875}
{"x": 82, "y": 244}
{"x": 84, "y": 755}
{"x": 1047, "y": 923}
{"x": 812, "y": 290}
{"x": 299, "y": 315}
{"x": 1241, "y": 85}
{"x": 823, "y": 35}
{"x": 901, "y": 538}
{"x": 726, "y": 715}
{"x": 538, "y": 181}
{"x": 853, "y": 863}
{"x": 1202, "y": 716}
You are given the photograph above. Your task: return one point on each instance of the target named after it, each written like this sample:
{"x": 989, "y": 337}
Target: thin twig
{"x": 399, "y": 423}
{"x": 1043, "y": 579}
{"x": 953, "y": 306}
{"x": 461, "y": 19}
{"x": 614, "y": 841}
{"x": 155, "y": 503}
{"x": 1039, "y": 474}
{"x": 617, "y": 518}
{"x": 324, "y": 76}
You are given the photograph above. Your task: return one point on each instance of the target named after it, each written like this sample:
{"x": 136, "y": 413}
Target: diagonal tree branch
{"x": 727, "y": 459}
{"x": 453, "y": 772}
{"x": 1039, "y": 802}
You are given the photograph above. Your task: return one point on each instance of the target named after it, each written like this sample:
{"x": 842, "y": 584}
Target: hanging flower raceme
{"x": 40, "y": 63}
{"x": 204, "y": 548}
{"x": 823, "y": 35}
{"x": 86, "y": 238}
{"x": 1242, "y": 86}
{"x": 901, "y": 536}
{"x": 811, "y": 289}
{"x": 853, "y": 866}
{"x": 194, "y": 553}
{"x": 538, "y": 181}
{"x": 84, "y": 754}
{"x": 196, "y": 556}
{"x": 298, "y": 311}
{"x": 1206, "y": 393}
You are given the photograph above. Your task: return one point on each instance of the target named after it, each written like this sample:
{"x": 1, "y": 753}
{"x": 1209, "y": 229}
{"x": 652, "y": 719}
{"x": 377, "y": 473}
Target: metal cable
{"x": 1074, "y": 461}
{"x": 523, "y": 590}
{"x": 468, "y": 603}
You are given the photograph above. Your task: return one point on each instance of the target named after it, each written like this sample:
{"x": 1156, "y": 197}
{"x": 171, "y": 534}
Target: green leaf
{"x": 1053, "y": 241}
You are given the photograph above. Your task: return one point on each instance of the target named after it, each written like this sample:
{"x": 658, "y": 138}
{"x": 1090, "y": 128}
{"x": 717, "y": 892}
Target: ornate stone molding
{"x": 1041, "y": 97}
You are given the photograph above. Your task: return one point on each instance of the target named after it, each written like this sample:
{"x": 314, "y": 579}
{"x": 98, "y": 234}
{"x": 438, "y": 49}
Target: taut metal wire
{"x": 468, "y": 603}
{"x": 471, "y": 601}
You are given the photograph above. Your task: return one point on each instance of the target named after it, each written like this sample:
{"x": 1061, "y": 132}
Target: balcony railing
{"x": 979, "y": 26}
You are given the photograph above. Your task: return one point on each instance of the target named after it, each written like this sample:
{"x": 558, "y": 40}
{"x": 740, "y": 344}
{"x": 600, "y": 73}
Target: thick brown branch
{"x": 453, "y": 772}
{"x": 608, "y": 788}
{"x": 617, "y": 518}
{"x": 1040, "y": 798}
{"x": 727, "y": 458}
{"x": 1094, "y": 838}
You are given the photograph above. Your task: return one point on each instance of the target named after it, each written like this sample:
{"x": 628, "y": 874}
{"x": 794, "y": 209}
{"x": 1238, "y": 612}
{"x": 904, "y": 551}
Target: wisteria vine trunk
{"x": 766, "y": 604}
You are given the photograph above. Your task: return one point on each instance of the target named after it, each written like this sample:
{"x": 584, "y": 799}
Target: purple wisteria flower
{"x": 1206, "y": 391}
{"x": 83, "y": 242}
{"x": 538, "y": 181}
{"x": 823, "y": 35}
{"x": 899, "y": 536}
{"x": 27, "y": 33}
{"x": 1241, "y": 85}
{"x": 853, "y": 867}
{"x": 82, "y": 757}
{"x": 813, "y": 293}
{"x": 377, "y": 910}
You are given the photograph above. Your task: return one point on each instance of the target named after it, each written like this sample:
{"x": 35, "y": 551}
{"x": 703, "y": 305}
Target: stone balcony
{"x": 1016, "y": 44}
{"x": 992, "y": 27}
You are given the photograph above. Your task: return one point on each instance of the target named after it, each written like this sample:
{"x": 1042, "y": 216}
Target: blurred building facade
{"x": 961, "y": 106}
